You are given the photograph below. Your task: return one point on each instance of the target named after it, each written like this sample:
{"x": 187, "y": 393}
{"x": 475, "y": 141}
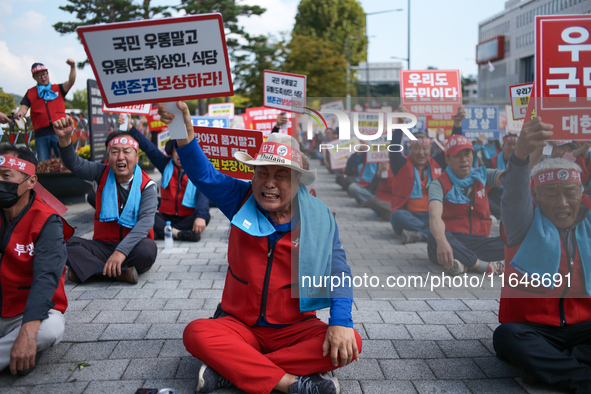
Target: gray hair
{"x": 554, "y": 164}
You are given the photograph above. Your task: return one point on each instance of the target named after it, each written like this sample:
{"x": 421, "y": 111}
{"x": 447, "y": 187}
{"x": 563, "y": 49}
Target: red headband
{"x": 510, "y": 138}
{"x": 555, "y": 176}
{"x": 40, "y": 67}
{"x": 123, "y": 141}
{"x": 281, "y": 150}
{"x": 17, "y": 164}
{"x": 420, "y": 140}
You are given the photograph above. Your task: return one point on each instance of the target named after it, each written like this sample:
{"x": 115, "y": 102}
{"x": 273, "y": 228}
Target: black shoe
{"x": 210, "y": 380}
{"x": 25, "y": 372}
{"x": 73, "y": 277}
{"x": 188, "y": 235}
{"x": 315, "y": 384}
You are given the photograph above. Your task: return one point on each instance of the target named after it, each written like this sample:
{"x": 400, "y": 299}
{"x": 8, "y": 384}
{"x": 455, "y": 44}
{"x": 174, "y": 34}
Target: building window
{"x": 527, "y": 66}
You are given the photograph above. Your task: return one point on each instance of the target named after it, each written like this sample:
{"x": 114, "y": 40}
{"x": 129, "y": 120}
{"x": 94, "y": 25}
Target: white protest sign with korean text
{"x": 160, "y": 60}
{"x": 225, "y": 110}
{"x": 520, "y": 98}
{"x": 138, "y": 109}
{"x": 284, "y": 91}
{"x": 563, "y": 75}
{"x": 431, "y": 91}
{"x": 331, "y": 119}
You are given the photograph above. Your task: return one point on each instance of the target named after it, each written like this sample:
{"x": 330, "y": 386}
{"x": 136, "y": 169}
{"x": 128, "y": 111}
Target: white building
{"x": 514, "y": 27}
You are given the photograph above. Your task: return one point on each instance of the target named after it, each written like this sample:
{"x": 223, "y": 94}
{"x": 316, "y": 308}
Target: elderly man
{"x": 32, "y": 294}
{"x": 266, "y": 337}
{"x": 459, "y": 215}
{"x": 499, "y": 162}
{"x": 412, "y": 176}
{"x": 47, "y": 105}
{"x": 545, "y": 325}
{"x": 123, "y": 242}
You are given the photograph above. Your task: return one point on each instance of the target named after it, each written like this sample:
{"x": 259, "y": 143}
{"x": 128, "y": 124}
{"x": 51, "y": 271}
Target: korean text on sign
{"x": 206, "y": 121}
{"x": 482, "y": 119}
{"x": 284, "y": 91}
{"x": 432, "y": 91}
{"x": 159, "y": 60}
{"x": 520, "y": 99}
{"x": 563, "y": 75}
{"x": 220, "y": 144}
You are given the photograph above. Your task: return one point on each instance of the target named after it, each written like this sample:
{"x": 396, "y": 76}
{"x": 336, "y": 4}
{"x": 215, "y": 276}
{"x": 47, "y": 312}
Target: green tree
{"x": 80, "y": 100}
{"x": 258, "y": 54}
{"x": 94, "y": 12}
{"x": 325, "y": 68}
{"x": 7, "y": 103}
{"x": 334, "y": 21}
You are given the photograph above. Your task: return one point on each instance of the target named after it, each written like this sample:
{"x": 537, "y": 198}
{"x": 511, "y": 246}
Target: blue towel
{"x": 317, "y": 229}
{"x": 539, "y": 252}
{"x": 455, "y": 195}
{"x": 45, "y": 92}
{"x": 190, "y": 191}
{"x": 417, "y": 190}
{"x": 500, "y": 165}
{"x": 489, "y": 150}
{"x": 109, "y": 200}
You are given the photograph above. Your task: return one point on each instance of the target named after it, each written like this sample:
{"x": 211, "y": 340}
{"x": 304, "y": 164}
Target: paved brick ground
{"x": 415, "y": 339}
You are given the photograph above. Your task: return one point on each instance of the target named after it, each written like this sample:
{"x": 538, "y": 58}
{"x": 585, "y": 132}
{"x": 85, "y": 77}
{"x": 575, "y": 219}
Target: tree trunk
{"x": 202, "y": 107}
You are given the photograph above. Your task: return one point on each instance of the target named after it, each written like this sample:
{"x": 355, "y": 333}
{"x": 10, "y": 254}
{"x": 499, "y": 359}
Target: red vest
{"x": 494, "y": 161}
{"x": 44, "y": 113}
{"x": 404, "y": 181}
{"x": 260, "y": 278}
{"x": 523, "y": 306}
{"x": 384, "y": 191}
{"x": 172, "y": 196}
{"x": 465, "y": 218}
{"x": 16, "y": 264}
{"x": 112, "y": 231}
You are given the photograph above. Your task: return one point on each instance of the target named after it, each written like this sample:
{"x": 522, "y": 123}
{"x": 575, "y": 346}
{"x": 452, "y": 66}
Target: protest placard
{"x": 445, "y": 122}
{"x": 562, "y": 76}
{"x": 428, "y": 92}
{"x": 284, "y": 91}
{"x": 97, "y": 122}
{"x": 378, "y": 153}
{"x": 513, "y": 126}
{"x": 221, "y": 110}
{"x": 264, "y": 119}
{"x": 421, "y": 125}
{"x": 481, "y": 119}
{"x": 137, "y": 109}
{"x": 206, "y": 121}
{"x": 219, "y": 145}
{"x": 520, "y": 98}
{"x": 159, "y": 60}
{"x": 163, "y": 138}
{"x": 342, "y": 149}
{"x": 155, "y": 125}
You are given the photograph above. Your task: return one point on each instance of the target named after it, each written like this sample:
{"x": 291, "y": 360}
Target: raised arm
{"x": 159, "y": 159}
{"x": 71, "y": 77}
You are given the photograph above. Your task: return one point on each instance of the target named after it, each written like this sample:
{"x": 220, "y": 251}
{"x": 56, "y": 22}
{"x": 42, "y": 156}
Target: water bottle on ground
{"x": 168, "y": 241}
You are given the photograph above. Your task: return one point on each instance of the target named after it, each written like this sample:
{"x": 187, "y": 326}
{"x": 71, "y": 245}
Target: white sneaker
{"x": 457, "y": 268}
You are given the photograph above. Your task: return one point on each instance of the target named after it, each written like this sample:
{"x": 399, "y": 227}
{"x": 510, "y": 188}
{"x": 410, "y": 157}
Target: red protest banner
{"x": 563, "y": 78}
{"x": 219, "y": 145}
{"x": 138, "y": 109}
{"x": 154, "y": 123}
{"x": 428, "y": 92}
{"x": 161, "y": 60}
{"x": 445, "y": 122}
{"x": 264, "y": 119}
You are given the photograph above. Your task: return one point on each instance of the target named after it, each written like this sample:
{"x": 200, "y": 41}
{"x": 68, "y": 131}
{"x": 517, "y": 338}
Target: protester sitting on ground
{"x": 362, "y": 193}
{"x": 499, "y": 162}
{"x": 382, "y": 201}
{"x": 33, "y": 298}
{"x": 126, "y": 199}
{"x": 459, "y": 215}
{"x": 357, "y": 171}
{"x": 412, "y": 176}
{"x": 47, "y": 104}
{"x": 545, "y": 330}
{"x": 181, "y": 204}
{"x": 265, "y": 336}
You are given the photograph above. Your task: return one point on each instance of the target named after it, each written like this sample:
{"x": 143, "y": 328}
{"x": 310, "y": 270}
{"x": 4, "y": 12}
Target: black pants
{"x": 494, "y": 202}
{"x": 178, "y": 222}
{"x": 468, "y": 248}
{"x": 381, "y": 208}
{"x": 344, "y": 181}
{"x": 88, "y": 257}
{"x": 556, "y": 355}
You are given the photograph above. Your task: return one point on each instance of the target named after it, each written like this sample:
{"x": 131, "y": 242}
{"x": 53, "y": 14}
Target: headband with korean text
{"x": 281, "y": 150}
{"x": 420, "y": 140}
{"x": 123, "y": 141}
{"x": 555, "y": 176}
{"x": 17, "y": 164}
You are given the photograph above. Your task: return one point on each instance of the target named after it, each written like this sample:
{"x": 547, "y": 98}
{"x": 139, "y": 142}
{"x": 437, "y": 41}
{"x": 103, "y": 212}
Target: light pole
{"x": 349, "y": 70}
{"x": 367, "y": 55}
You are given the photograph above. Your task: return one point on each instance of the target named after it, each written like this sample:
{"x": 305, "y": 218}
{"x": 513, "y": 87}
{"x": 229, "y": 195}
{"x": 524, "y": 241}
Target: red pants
{"x": 256, "y": 358}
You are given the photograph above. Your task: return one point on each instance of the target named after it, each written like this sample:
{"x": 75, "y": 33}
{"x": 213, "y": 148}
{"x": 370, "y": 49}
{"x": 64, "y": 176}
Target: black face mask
{"x": 9, "y": 193}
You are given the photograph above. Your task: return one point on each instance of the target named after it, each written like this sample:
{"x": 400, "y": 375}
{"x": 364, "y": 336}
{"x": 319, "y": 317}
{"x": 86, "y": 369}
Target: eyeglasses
{"x": 40, "y": 74}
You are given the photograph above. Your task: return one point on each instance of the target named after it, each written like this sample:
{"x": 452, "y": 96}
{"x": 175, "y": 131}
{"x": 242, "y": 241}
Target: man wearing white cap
{"x": 266, "y": 336}
{"x": 545, "y": 307}
{"x": 47, "y": 103}
{"x": 459, "y": 214}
